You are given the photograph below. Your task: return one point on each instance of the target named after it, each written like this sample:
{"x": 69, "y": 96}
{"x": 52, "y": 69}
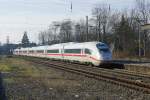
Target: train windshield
{"x": 103, "y": 48}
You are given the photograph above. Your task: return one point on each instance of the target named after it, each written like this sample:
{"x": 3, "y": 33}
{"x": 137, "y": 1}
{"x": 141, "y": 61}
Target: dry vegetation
{"x": 24, "y": 80}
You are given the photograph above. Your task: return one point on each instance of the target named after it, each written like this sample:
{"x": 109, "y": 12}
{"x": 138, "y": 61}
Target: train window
{"x": 101, "y": 45}
{"x": 40, "y": 51}
{"x": 104, "y": 50}
{"x": 31, "y": 51}
{"x": 53, "y": 51}
{"x": 87, "y": 51}
{"x": 78, "y": 51}
{"x": 24, "y": 51}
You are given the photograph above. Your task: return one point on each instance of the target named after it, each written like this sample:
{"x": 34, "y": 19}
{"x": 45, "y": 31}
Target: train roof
{"x": 82, "y": 45}
{"x": 67, "y": 45}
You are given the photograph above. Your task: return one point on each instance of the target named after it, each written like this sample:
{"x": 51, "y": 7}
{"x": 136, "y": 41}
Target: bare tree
{"x": 52, "y": 33}
{"x": 102, "y": 13}
{"x": 66, "y": 31}
{"x": 143, "y": 12}
{"x": 80, "y": 31}
{"x": 42, "y": 37}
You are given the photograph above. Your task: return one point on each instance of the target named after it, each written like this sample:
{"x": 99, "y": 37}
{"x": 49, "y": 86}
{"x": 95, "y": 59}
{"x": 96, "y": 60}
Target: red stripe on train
{"x": 78, "y": 55}
{"x": 67, "y": 55}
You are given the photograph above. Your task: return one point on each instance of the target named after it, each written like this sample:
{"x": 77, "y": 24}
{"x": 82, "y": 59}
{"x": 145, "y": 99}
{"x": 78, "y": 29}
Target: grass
{"x": 24, "y": 80}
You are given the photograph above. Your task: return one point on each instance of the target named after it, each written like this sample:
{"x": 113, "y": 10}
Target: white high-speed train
{"x": 94, "y": 53}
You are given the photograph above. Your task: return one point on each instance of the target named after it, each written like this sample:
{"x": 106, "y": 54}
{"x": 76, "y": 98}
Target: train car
{"x": 94, "y": 53}
{"x": 55, "y": 51}
{"x": 38, "y": 51}
{"x": 16, "y": 52}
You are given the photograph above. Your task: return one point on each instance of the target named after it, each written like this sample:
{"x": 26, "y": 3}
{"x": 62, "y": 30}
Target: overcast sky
{"x": 17, "y": 16}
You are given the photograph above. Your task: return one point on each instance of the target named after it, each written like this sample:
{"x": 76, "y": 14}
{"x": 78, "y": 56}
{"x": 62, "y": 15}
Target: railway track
{"x": 122, "y": 73}
{"x": 121, "y": 78}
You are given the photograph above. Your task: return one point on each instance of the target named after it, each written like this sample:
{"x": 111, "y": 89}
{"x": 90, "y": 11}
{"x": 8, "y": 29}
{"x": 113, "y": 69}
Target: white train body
{"x": 87, "y": 52}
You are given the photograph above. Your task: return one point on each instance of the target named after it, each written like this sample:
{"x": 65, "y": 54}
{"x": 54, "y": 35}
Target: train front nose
{"x": 106, "y": 57}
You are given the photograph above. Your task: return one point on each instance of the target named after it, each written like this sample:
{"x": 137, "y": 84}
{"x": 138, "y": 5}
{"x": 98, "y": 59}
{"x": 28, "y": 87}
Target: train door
{"x": 88, "y": 55}
{"x": 62, "y": 52}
